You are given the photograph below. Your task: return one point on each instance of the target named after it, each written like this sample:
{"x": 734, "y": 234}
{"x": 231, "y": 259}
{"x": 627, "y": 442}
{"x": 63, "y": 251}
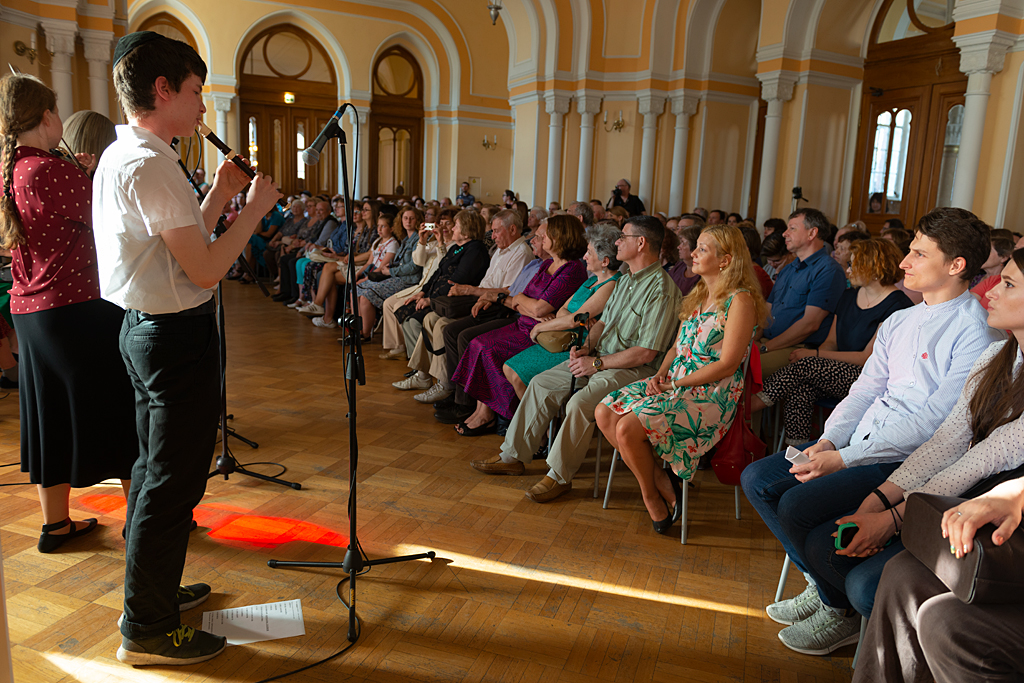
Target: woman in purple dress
{"x": 479, "y": 370}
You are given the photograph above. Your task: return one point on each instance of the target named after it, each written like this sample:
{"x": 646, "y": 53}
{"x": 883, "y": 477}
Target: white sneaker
{"x": 297, "y": 304}
{"x": 320, "y": 322}
{"x": 822, "y": 632}
{"x": 311, "y": 310}
{"x": 796, "y": 609}
{"x": 434, "y": 393}
{"x": 413, "y": 382}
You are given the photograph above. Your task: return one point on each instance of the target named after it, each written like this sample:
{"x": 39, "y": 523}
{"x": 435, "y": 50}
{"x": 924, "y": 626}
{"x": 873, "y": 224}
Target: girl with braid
{"x": 75, "y": 397}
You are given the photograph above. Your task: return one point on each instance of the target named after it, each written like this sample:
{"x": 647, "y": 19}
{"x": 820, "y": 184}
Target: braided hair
{"x": 23, "y": 100}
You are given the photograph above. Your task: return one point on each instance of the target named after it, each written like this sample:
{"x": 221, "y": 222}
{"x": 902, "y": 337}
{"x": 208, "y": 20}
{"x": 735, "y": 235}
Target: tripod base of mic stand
{"x": 227, "y": 465}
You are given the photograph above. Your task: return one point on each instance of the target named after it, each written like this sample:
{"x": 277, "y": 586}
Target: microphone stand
{"x": 355, "y": 560}
{"x": 226, "y": 462}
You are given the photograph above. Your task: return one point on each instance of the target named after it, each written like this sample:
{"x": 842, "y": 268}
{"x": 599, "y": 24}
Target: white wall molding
{"x": 985, "y": 51}
{"x": 828, "y": 80}
{"x": 19, "y": 18}
{"x": 728, "y": 97}
{"x": 972, "y": 9}
{"x": 176, "y": 7}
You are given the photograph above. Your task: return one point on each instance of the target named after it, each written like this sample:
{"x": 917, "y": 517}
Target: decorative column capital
{"x": 556, "y": 103}
{"x": 98, "y": 44}
{"x": 983, "y": 52}
{"x": 60, "y": 36}
{"x": 588, "y": 103}
{"x": 777, "y": 85}
{"x": 685, "y": 104}
{"x": 651, "y": 104}
{"x": 222, "y": 100}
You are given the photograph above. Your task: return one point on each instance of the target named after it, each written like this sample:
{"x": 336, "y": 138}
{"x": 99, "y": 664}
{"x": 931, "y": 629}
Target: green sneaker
{"x": 184, "y": 645}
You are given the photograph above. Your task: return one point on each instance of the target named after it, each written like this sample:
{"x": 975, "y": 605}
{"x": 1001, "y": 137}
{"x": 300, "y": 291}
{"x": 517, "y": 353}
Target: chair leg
{"x": 597, "y": 463}
{"x": 611, "y": 475}
{"x": 782, "y": 579}
{"x": 863, "y": 628}
{"x": 737, "y": 502}
{"x": 686, "y": 506}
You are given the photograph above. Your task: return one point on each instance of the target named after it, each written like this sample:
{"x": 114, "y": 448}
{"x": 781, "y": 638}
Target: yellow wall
{"x": 824, "y": 147}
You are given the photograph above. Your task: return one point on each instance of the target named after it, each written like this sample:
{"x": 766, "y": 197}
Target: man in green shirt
{"x": 627, "y": 344}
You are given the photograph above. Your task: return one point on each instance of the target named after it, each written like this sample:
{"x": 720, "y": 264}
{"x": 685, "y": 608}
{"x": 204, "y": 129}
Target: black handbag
{"x": 452, "y": 306}
{"x": 989, "y": 574}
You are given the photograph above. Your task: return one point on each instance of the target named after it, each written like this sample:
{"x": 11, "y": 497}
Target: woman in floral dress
{"x": 686, "y": 408}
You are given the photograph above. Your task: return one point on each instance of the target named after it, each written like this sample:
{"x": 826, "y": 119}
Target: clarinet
{"x": 229, "y": 154}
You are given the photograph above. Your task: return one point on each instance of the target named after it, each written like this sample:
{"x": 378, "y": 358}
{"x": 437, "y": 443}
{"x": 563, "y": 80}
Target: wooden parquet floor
{"x": 519, "y": 592}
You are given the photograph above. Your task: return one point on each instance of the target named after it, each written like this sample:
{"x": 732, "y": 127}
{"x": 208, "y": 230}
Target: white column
{"x": 97, "y": 53}
{"x": 588, "y": 106}
{"x": 222, "y": 105}
{"x": 776, "y": 88}
{"x": 60, "y": 41}
{"x": 557, "y": 107}
{"x": 981, "y": 55}
{"x": 683, "y": 106}
{"x": 651, "y": 106}
{"x": 361, "y": 165}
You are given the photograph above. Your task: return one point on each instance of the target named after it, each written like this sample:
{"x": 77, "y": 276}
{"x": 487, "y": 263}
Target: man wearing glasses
{"x": 627, "y": 344}
{"x": 630, "y": 202}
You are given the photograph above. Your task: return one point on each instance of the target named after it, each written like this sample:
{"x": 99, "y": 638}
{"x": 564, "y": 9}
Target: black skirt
{"x": 77, "y": 402}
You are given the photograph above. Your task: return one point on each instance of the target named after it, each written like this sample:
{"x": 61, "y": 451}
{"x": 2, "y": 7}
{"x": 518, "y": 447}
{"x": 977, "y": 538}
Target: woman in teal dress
{"x": 688, "y": 406}
{"x": 589, "y": 298}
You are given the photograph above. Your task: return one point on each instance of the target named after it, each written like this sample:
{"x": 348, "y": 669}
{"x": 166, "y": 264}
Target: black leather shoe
{"x": 503, "y": 423}
{"x": 542, "y": 453}
{"x": 445, "y": 403}
{"x": 453, "y": 415}
{"x": 279, "y": 297}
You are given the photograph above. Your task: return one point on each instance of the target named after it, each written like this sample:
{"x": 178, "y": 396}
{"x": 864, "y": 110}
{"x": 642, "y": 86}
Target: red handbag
{"x": 740, "y": 446}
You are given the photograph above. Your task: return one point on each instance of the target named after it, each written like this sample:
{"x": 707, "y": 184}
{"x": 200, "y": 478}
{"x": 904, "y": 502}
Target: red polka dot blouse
{"x": 57, "y": 264}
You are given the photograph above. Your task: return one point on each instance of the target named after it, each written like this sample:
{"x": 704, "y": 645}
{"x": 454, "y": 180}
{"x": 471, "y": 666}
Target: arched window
{"x": 288, "y": 92}
{"x": 169, "y": 26}
{"x": 396, "y": 125}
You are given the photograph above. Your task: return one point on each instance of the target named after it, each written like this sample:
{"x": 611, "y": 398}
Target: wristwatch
{"x": 598, "y": 363}
{"x": 763, "y": 348}
{"x": 501, "y": 298}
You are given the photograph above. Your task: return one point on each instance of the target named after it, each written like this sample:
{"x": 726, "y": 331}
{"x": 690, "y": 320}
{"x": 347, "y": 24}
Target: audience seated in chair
{"x": 589, "y": 299}
{"x": 830, "y": 370}
{"x": 981, "y": 437}
{"x": 774, "y": 254}
{"x": 682, "y": 412}
{"x": 428, "y": 358}
{"x": 681, "y": 271}
{"x": 431, "y": 246}
{"x": 917, "y": 369}
{"x": 627, "y": 344}
{"x": 479, "y": 371}
{"x": 805, "y": 293}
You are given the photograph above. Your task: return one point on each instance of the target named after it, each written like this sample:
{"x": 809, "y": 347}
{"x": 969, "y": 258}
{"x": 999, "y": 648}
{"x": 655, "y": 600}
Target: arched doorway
{"x": 911, "y": 114}
{"x": 288, "y": 92}
{"x": 396, "y": 125}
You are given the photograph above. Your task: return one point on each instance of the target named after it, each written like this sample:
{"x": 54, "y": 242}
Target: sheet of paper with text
{"x": 254, "y": 623}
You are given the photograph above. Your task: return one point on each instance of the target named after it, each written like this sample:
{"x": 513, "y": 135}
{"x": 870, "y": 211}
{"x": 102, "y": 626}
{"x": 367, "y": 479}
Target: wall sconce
{"x": 494, "y": 7}
{"x": 289, "y": 98}
{"x": 617, "y": 125}
{"x": 491, "y": 145}
{"x": 21, "y": 49}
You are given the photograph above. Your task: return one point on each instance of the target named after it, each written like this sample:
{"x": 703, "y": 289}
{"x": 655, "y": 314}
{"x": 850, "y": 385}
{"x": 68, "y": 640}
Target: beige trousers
{"x": 435, "y": 365}
{"x": 544, "y": 396}
{"x": 393, "y": 338}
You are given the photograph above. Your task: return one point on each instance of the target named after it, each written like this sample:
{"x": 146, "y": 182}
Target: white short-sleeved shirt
{"x": 138, "y": 192}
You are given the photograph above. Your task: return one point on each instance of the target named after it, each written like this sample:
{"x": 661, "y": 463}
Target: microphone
{"x": 311, "y": 155}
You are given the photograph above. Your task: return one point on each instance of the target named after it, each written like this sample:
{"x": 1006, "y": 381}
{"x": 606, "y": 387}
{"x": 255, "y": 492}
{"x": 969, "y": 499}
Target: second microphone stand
{"x": 355, "y": 561}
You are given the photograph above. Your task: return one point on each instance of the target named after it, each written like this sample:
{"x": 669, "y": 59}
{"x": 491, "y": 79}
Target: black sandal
{"x": 49, "y": 542}
{"x": 462, "y": 429}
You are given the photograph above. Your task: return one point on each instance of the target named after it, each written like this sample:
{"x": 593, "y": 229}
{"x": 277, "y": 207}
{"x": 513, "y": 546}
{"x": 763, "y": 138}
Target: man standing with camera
{"x": 630, "y": 202}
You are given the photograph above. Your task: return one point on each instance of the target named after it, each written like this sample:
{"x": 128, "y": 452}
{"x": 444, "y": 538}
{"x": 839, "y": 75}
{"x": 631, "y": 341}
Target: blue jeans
{"x": 792, "y": 510}
{"x": 172, "y": 361}
{"x": 845, "y": 582}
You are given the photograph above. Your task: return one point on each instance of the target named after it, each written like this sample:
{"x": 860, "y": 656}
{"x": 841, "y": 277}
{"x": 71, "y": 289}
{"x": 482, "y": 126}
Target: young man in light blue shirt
{"x": 917, "y": 369}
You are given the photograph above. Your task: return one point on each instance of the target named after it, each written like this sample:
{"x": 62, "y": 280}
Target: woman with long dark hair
{"x": 77, "y": 404}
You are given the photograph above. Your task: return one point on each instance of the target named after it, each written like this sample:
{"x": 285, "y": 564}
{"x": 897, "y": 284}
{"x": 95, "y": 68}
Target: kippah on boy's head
{"x": 141, "y": 58}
